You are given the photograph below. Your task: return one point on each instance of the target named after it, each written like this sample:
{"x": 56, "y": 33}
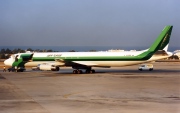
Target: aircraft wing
{"x": 85, "y": 63}
{"x": 62, "y": 62}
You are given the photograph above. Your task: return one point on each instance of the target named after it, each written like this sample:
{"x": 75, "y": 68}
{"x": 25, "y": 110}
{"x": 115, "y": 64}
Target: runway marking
{"x": 74, "y": 93}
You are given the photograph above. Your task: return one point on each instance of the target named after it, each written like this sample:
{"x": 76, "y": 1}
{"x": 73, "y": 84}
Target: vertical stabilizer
{"x": 162, "y": 41}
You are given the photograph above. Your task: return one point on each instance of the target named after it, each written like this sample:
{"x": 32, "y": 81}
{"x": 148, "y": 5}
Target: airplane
{"x": 86, "y": 60}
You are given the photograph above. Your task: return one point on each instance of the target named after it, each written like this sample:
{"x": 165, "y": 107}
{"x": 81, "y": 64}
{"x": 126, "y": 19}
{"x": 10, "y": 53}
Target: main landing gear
{"x": 77, "y": 71}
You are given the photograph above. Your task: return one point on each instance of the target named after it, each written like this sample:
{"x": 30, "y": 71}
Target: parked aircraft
{"x": 86, "y": 60}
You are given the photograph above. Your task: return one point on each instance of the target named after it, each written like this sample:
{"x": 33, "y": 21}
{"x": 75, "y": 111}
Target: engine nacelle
{"x": 48, "y": 67}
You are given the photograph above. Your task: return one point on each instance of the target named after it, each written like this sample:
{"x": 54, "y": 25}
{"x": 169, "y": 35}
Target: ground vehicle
{"x": 146, "y": 67}
{"x": 35, "y": 68}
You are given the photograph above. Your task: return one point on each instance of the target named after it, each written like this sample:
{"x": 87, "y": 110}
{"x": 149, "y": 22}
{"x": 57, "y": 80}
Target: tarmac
{"x": 114, "y": 90}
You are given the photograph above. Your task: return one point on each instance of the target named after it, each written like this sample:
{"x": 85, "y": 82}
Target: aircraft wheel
{"x": 93, "y": 71}
{"x": 90, "y": 71}
{"x": 87, "y": 71}
{"x": 75, "y": 72}
{"x": 79, "y": 71}
{"x": 57, "y": 68}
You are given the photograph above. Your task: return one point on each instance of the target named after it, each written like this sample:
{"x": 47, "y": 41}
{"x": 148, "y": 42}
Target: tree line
{"x": 5, "y": 53}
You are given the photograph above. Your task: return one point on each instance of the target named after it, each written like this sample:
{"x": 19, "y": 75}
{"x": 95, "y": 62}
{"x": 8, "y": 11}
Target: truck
{"x": 146, "y": 67}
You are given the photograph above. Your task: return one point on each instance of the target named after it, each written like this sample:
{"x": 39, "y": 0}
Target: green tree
{"x": 92, "y": 50}
{"x": 2, "y": 51}
{"x": 29, "y": 49}
{"x": 72, "y": 51}
{"x": 14, "y": 51}
{"x": 8, "y": 51}
{"x": 50, "y": 50}
{"x": 2, "y": 56}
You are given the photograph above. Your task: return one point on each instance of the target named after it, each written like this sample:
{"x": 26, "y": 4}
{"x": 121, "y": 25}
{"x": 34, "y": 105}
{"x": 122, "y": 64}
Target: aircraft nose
{"x": 8, "y": 62}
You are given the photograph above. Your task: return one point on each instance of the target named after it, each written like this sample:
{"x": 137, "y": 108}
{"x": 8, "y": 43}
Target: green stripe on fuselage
{"x": 91, "y": 58}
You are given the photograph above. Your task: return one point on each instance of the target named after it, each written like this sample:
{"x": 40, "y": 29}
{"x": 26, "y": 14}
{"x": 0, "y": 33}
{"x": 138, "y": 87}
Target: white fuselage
{"x": 55, "y": 55}
{"x": 94, "y": 63}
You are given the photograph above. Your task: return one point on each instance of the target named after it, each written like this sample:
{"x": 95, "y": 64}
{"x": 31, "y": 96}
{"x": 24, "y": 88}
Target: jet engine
{"x": 48, "y": 67}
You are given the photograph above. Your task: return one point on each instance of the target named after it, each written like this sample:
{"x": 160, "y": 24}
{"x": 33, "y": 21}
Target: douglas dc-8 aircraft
{"x": 86, "y": 60}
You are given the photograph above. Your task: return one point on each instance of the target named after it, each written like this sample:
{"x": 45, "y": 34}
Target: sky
{"x": 87, "y": 22}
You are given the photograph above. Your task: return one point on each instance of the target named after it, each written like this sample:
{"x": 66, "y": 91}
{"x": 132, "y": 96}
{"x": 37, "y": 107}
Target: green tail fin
{"x": 163, "y": 39}
{"x": 160, "y": 43}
